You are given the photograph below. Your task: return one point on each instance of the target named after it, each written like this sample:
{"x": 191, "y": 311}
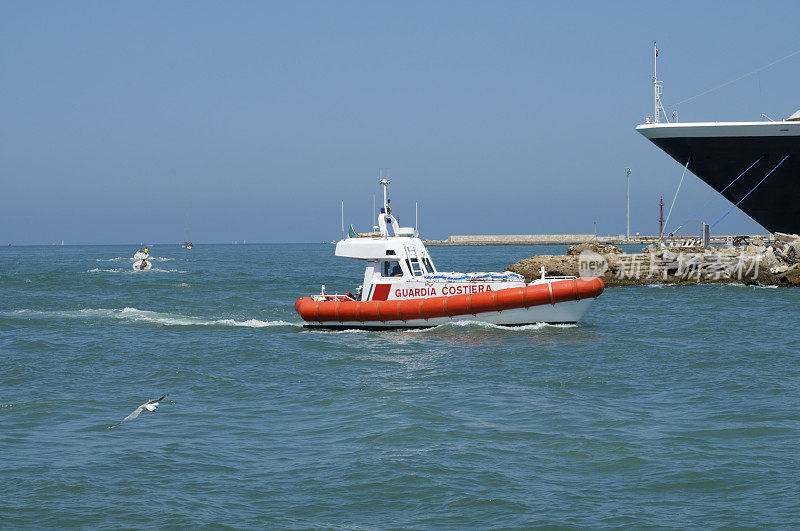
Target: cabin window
{"x": 428, "y": 265}
{"x": 391, "y": 268}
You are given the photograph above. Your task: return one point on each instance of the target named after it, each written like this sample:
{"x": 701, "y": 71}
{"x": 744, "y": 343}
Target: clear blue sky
{"x": 497, "y": 117}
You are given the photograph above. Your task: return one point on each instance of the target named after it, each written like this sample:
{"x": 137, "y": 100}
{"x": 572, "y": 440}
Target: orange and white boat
{"x": 403, "y": 289}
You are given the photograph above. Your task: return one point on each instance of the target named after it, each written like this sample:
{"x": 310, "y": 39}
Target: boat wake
{"x": 492, "y": 326}
{"x": 737, "y": 285}
{"x": 128, "y": 259}
{"x": 136, "y": 315}
{"x": 153, "y": 269}
{"x": 662, "y": 285}
{"x": 446, "y": 326}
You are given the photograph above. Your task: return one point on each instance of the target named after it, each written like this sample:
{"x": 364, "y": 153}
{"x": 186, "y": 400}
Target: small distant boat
{"x": 142, "y": 265}
{"x": 403, "y": 289}
{"x": 187, "y": 245}
{"x": 141, "y": 254}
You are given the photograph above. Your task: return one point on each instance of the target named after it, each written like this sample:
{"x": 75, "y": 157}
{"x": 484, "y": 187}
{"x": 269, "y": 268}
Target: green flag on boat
{"x": 351, "y": 233}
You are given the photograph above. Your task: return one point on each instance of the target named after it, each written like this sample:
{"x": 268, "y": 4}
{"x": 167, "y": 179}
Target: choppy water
{"x": 665, "y": 407}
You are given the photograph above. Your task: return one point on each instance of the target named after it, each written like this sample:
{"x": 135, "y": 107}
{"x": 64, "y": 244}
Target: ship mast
{"x": 657, "y": 89}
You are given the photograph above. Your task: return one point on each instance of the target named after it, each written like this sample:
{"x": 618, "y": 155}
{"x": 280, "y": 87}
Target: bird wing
{"x": 153, "y": 401}
{"x": 132, "y": 416}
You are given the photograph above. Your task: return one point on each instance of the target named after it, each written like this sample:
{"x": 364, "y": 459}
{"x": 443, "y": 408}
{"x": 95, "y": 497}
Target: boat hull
{"x": 558, "y": 302}
{"x": 561, "y": 313}
{"x": 719, "y": 152}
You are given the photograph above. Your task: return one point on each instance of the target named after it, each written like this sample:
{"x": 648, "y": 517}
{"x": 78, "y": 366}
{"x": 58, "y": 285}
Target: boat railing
{"x": 324, "y": 297}
{"x": 551, "y": 279}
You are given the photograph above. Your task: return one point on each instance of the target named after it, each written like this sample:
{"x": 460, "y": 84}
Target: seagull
{"x": 150, "y": 405}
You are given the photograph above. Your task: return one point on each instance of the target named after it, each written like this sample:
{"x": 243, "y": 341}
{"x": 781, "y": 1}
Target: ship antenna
{"x": 385, "y": 183}
{"x": 658, "y": 108}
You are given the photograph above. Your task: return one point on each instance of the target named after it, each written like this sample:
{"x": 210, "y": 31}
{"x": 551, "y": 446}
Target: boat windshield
{"x": 391, "y": 268}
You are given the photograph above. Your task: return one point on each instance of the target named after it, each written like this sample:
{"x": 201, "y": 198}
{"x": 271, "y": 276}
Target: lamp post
{"x": 628, "y": 201}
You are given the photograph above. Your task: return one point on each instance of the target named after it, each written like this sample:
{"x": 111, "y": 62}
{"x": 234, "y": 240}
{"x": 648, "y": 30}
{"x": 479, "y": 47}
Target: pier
{"x": 566, "y": 239}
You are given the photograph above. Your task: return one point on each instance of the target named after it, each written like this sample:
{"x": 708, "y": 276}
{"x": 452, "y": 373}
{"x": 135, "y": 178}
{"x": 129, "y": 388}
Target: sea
{"x": 665, "y": 407}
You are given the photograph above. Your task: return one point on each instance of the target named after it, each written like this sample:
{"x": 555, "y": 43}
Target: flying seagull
{"x": 150, "y": 405}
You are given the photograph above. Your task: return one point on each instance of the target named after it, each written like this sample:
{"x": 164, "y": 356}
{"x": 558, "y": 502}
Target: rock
{"x": 668, "y": 265}
{"x": 792, "y": 276}
{"x": 769, "y": 260}
{"x": 598, "y": 248}
{"x": 649, "y": 249}
{"x": 792, "y": 250}
{"x": 758, "y": 242}
{"x": 753, "y": 249}
{"x": 786, "y": 238}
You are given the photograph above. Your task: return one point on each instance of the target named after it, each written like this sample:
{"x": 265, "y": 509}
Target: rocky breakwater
{"x": 753, "y": 263}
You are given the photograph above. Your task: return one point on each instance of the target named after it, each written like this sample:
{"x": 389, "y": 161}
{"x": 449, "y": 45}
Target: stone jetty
{"x": 752, "y": 262}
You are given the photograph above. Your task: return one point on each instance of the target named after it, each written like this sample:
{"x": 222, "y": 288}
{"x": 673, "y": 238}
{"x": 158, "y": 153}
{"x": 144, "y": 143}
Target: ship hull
{"x": 719, "y": 152}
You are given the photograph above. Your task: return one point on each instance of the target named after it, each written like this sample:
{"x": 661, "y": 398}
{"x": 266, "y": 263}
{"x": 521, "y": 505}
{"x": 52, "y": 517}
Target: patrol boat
{"x": 403, "y": 289}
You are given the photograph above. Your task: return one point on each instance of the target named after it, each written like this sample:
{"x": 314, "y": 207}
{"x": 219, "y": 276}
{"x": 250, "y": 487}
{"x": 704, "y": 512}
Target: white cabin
{"x": 398, "y": 266}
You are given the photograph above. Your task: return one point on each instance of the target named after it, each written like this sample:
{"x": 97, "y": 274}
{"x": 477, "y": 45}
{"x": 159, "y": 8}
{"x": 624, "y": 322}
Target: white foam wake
{"x": 444, "y": 326}
{"x": 126, "y": 270}
{"x": 484, "y": 324}
{"x": 130, "y": 259}
{"x": 754, "y": 286}
{"x": 147, "y": 316}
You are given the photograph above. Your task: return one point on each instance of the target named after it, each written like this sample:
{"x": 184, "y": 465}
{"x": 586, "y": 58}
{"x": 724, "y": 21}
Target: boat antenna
{"x": 385, "y": 183}
{"x": 657, "y": 89}
{"x": 343, "y": 220}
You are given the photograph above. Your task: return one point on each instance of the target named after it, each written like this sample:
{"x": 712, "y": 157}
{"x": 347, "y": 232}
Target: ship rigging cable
{"x": 734, "y": 80}
{"x": 713, "y": 197}
{"x": 750, "y": 192}
{"x": 676, "y": 194}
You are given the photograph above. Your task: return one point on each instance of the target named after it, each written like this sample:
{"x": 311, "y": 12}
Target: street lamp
{"x": 628, "y": 201}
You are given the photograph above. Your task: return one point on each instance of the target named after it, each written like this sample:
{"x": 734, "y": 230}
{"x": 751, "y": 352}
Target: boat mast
{"x": 385, "y": 216}
{"x": 657, "y": 89}
{"x": 385, "y": 183}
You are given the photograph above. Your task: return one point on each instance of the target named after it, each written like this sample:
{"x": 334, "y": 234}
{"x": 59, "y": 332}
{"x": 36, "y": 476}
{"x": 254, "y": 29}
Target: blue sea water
{"x": 666, "y": 406}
